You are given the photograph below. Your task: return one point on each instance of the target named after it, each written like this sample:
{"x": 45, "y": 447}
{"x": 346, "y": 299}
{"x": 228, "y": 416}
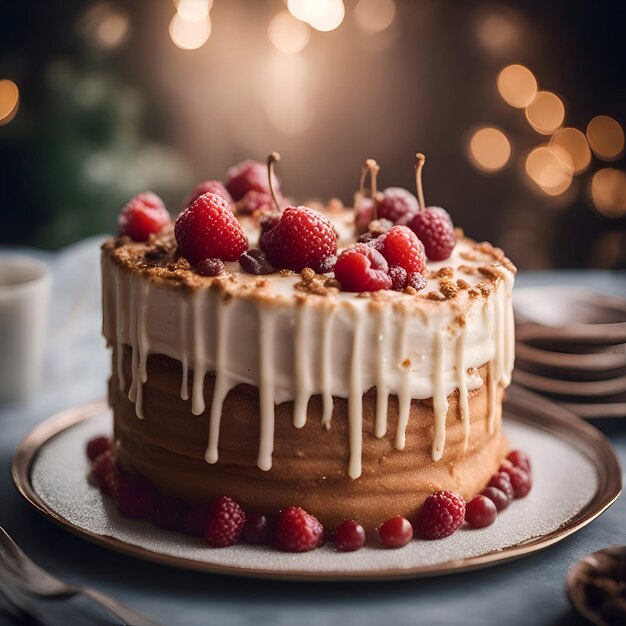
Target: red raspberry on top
{"x": 442, "y": 514}
{"x": 210, "y": 186}
{"x": 397, "y": 203}
{"x": 402, "y": 248}
{"x": 301, "y": 238}
{"x": 208, "y": 229}
{"x": 144, "y": 215}
{"x": 255, "y": 201}
{"x": 434, "y": 228}
{"x": 249, "y": 175}
{"x": 225, "y": 523}
{"x": 362, "y": 268}
{"x": 297, "y": 530}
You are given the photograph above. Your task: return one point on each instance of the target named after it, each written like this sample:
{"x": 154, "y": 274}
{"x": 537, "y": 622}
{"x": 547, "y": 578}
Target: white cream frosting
{"x": 334, "y": 345}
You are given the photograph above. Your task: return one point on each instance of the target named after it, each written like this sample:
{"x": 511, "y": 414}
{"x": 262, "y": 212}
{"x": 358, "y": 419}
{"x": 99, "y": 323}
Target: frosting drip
{"x": 331, "y": 346}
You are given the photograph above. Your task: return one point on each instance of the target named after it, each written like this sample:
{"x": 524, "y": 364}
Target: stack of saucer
{"x": 571, "y": 346}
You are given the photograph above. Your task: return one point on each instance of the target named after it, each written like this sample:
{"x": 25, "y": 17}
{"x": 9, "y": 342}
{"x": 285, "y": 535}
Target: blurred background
{"x": 520, "y": 108}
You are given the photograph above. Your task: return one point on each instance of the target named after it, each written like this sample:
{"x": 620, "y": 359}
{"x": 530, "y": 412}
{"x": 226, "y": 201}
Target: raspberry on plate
{"x": 442, "y": 514}
{"x": 225, "y": 523}
{"x": 96, "y": 446}
{"x": 297, "y": 530}
{"x": 497, "y": 496}
{"x": 301, "y": 238}
{"x": 502, "y": 481}
{"x": 401, "y": 247}
{"x": 519, "y": 459}
{"x": 397, "y": 203}
{"x": 144, "y": 215}
{"x": 135, "y": 496}
{"x": 210, "y": 186}
{"x": 258, "y": 528}
{"x": 196, "y": 520}
{"x": 362, "y": 268}
{"x": 435, "y": 230}
{"x": 170, "y": 513}
{"x": 102, "y": 466}
{"x": 249, "y": 176}
{"x": 208, "y": 229}
{"x": 521, "y": 481}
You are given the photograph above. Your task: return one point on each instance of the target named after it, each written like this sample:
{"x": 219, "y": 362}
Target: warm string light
{"x": 374, "y": 16}
{"x": 288, "y": 34}
{"x": 550, "y": 174}
{"x": 517, "y": 85}
{"x": 574, "y": 144}
{"x": 191, "y": 25}
{"x": 323, "y": 15}
{"x": 489, "y": 149}
{"x": 9, "y": 101}
{"x": 606, "y": 138}
{"x": 608, "y": 192}
{"x": 546, "y": 112}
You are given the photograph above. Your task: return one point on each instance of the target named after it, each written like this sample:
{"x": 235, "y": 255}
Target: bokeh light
{"x": 331, "y": 17}
{"x": 189, "y": 34}
{"x": 551, "y": 173}
{"x": 489, "y": 149}
{"x": 517, "y": 85}
{"x": 9, "y": 101}
{"x": 572, "y": 142}
{"x": 306, "y": 10}
{"x": 288, "y": 34}
{"x": 608, "y": 192}
{"x": 546, "y": 112}
{"x": 194, "y": 10}
{"x": 286, "y": 98}
{"x": 606, "y": 137}
{"x": 374, "y": 16}
{"x": 105, "y": 25}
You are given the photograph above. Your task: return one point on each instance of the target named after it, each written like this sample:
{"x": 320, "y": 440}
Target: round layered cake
{"x": 283, "y": 390}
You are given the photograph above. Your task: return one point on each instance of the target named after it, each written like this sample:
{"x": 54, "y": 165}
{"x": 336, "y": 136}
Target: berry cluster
{"x": 394, "y": 259}
{"x": 224, "y": 523}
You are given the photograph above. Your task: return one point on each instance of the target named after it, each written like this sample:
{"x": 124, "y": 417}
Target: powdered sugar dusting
{"x": 59, "y": 478}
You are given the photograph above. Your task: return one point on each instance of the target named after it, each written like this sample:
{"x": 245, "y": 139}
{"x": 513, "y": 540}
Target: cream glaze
{"x": 339, "y": 345}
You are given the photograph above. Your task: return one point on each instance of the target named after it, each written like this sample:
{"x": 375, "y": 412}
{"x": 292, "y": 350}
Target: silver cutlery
{"x": 16, "y": 568}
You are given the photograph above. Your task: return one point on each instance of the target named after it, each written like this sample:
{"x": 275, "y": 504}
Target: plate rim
{"x": 548, "y": 417}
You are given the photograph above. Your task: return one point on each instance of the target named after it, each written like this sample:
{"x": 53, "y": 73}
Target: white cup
{"x": 24, "y": 294}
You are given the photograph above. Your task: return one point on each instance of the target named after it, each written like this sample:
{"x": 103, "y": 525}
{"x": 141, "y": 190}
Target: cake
{"x": 283, "y": 389}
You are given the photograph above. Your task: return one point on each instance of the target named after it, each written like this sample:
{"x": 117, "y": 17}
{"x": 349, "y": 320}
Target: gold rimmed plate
{"x": 50, "y": 468}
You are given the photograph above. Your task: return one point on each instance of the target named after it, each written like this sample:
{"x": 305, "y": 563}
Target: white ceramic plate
{"x": 50, "y": 469}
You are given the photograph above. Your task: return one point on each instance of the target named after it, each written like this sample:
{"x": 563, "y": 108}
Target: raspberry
{"x": 497, "y": 496}
{"x": 362, "y": 268}
{"x": 434, "y": 228}
{"x": 196, "y": 520}
{"x": 96, "y": 446}
{"x": 519, "y": 459}
{"x": 144, "y": 215}
{"x": 258, "y": 529}
{"x": 298, "y": 531}
{"x": 328, "y": 264}
{"x": 208, "y": 229}
{"x": 416, "y": 280}
{"x": 210, "y": 186}
{"x": 396, "y": 532}
{"x": 170, "y": 513}
{"x": 103, "y": 465}
{"x": 255, "y": 261}
{"x": 255, "y": 201}
{"x": 520, "y": 481}
{"x": 480, "y": 512}
{"x": 363, "y": 210}
{"x": 401, "y": 247}
{"x": 442, "y": 514}
{"x": 210, "y": 267}
{"x": 502, "y": 481}
{"x": 301, "y": 238}
{"x": 249, "y": 175}
{"x": 398, "y": 277}
{"x": 349, "y": 536}
{"x": 225, "y": 523}
{"x": 397, "y": 203}
{"x": 135, "y": 496}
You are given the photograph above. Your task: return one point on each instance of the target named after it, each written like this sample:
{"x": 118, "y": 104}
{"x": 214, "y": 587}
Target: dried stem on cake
{"x": 372, "y": 168}
{"x": 271, "y": 159}
{"x": 419, "y": 164}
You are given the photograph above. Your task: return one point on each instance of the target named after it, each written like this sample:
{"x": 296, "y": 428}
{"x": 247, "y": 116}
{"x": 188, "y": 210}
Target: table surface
{"x": 530, "y": 590}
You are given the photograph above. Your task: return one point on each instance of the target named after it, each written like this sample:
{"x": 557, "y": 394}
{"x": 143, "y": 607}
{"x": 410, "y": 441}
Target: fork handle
{"x": 118, "y": 609}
